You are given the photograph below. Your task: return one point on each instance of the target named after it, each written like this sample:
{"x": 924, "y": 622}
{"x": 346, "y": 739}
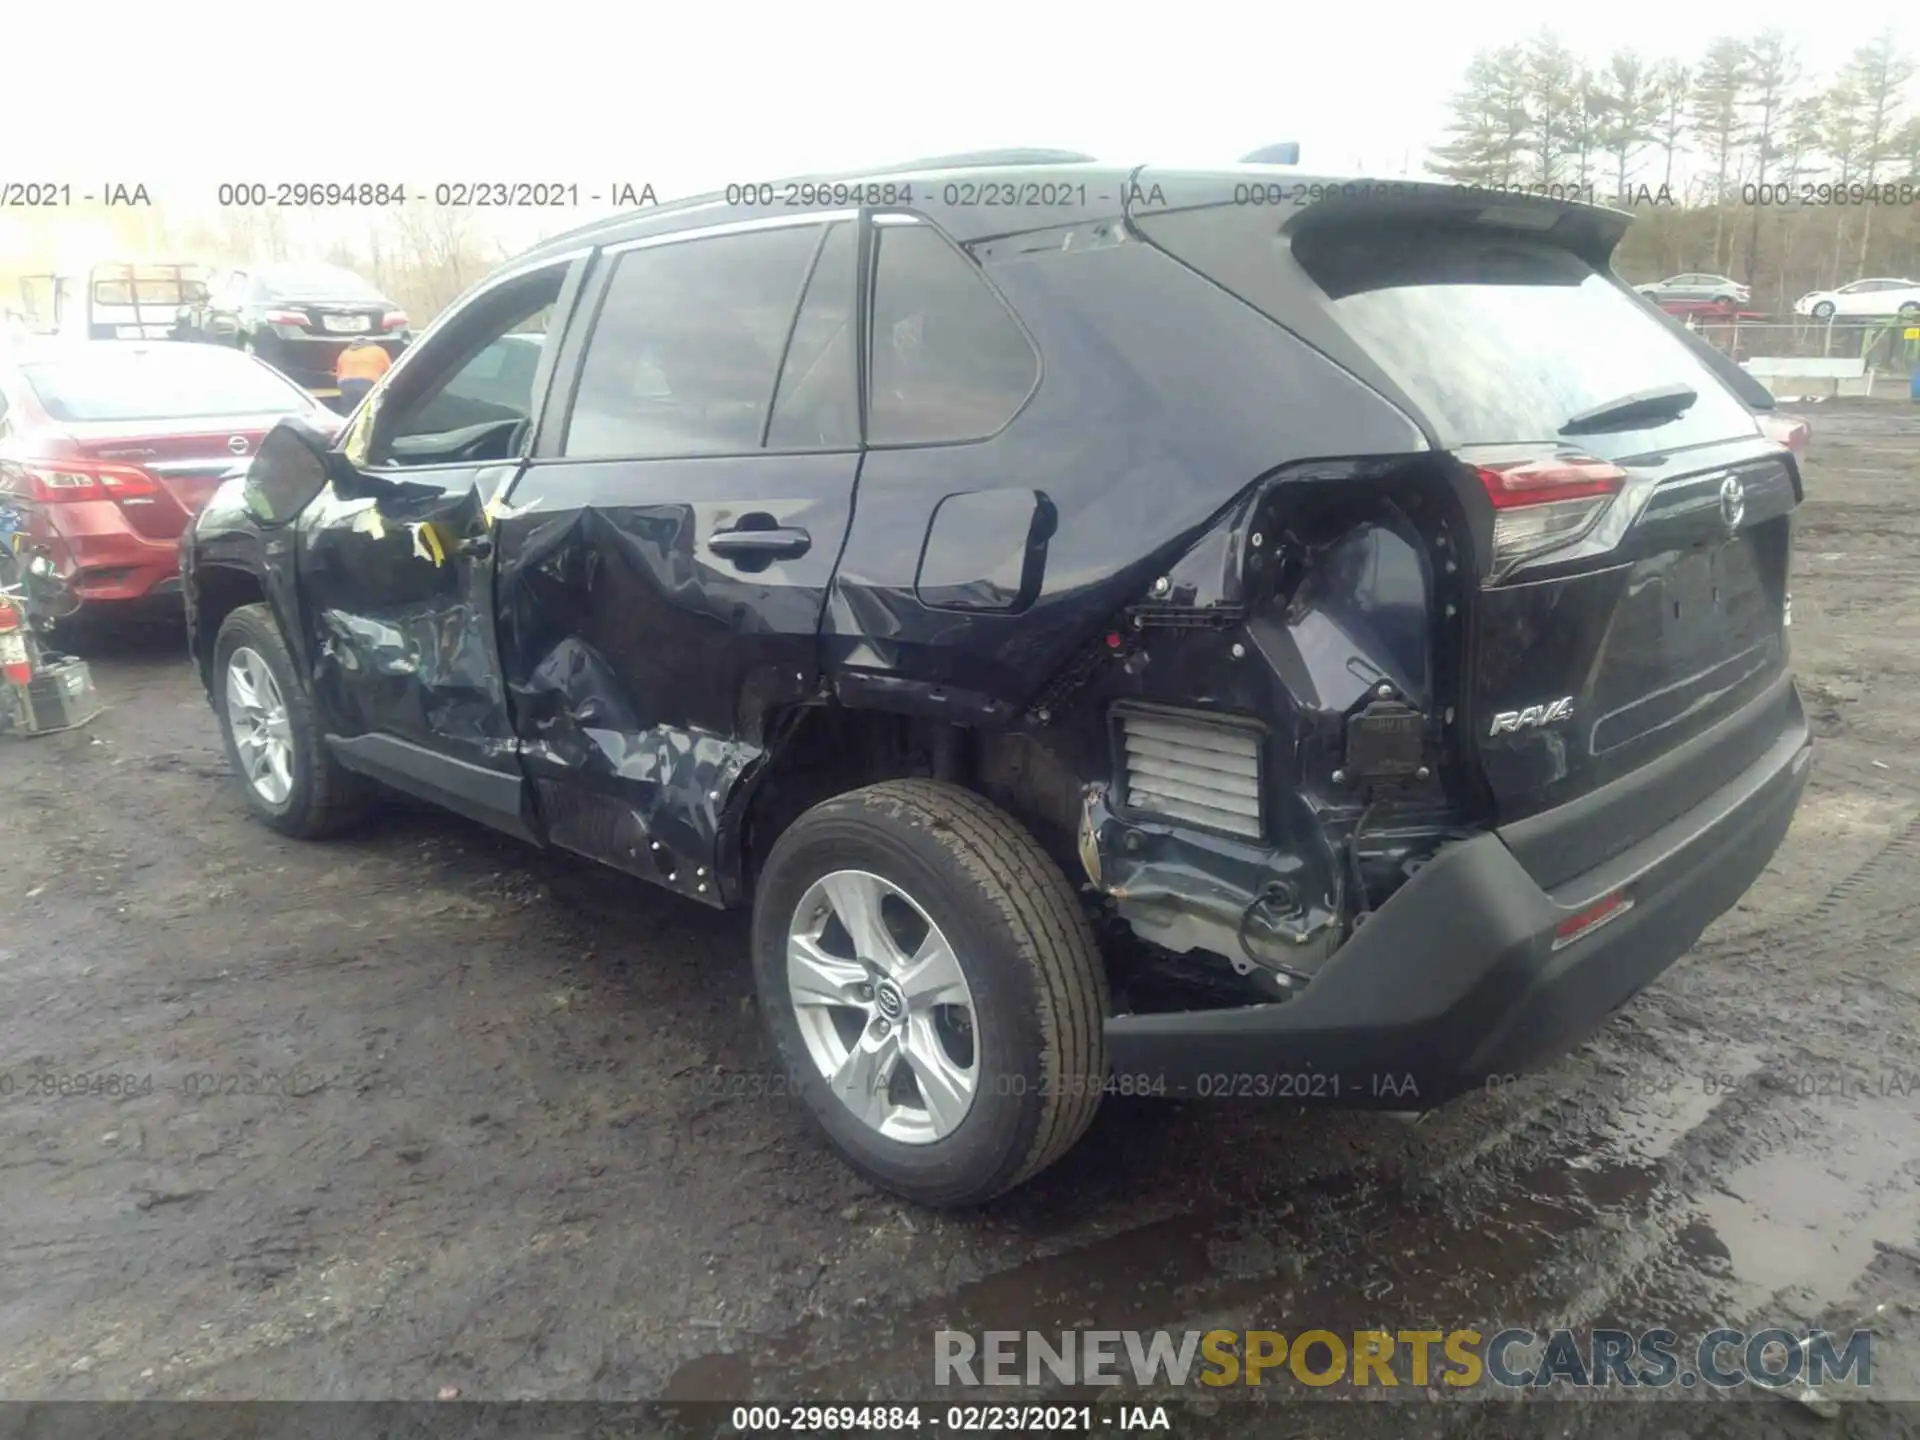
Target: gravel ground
{"x": 425, "y": 1109}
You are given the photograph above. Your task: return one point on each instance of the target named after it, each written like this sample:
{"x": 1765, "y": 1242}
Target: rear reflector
{"x": 1540, "y": 505}
{"x": 1585, "y": 921}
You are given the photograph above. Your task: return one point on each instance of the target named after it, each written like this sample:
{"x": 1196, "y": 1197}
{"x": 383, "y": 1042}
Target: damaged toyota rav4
{"x": 1123, "y": 640}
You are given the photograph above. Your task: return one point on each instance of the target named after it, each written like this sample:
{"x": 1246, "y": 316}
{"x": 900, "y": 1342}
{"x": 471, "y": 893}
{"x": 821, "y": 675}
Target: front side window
{"x": 950, "y": 363}
{"x": 469, "y": 395}
{"x": 688, "y": 344}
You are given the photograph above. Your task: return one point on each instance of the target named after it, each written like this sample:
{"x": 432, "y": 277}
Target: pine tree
{"x": 1720, "y": 90}
{"x": 1631, "y": 96}
{"x": 1489, "y": 123}
{"x": 1673, "y": 92}
{"x": 1773, "y": 70}
{"x": 1551, "y": 106}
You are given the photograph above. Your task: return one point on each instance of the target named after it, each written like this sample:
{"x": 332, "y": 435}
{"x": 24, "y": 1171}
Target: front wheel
{"x": 289, "y": 778}
{"x": 1823, "y": 311}
{"x": 933, "y": 989}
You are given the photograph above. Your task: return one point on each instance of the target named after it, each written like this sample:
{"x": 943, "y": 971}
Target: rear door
{"x": 664, "y": 561}
{"x": 1634, "y": 583}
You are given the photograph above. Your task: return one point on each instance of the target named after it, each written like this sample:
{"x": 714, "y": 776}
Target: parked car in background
{"x": 1868, "y": 298}
{"x": 1697, "y": 289}
{"x": 1361, "y": 661}
{"x": 297, "y": 318}
{"x": 109, "y": 449}
{"x": 112, "y": 300}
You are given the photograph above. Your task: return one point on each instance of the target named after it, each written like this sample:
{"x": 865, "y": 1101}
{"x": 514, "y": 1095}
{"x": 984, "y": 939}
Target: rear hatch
{"x": 1633, "y": 522}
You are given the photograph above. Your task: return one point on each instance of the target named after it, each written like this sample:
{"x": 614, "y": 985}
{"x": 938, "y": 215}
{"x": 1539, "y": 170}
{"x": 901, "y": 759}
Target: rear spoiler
{"x": 1293, "y": 202}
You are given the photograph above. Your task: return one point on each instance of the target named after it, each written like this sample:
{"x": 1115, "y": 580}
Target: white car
{"x": 1862, "y": 297}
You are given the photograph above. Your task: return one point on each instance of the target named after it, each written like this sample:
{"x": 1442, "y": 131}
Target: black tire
{"x": 1909, "y": 310}
{"x": 324, "y": 798}
{"x": 1039, "y": 986}
{"x": 1823, "y": 311}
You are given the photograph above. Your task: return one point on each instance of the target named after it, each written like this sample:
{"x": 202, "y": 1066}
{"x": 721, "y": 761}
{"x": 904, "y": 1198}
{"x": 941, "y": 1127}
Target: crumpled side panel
{"x": 618, "y": 643}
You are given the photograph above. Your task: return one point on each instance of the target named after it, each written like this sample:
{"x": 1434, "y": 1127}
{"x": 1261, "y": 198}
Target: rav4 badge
{"x": 1531, "y": 718}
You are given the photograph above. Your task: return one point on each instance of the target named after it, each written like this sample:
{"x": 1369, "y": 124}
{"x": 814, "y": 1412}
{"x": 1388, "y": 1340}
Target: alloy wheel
{"x": 257, "y": 716}
{"x": 883, "y": 1007}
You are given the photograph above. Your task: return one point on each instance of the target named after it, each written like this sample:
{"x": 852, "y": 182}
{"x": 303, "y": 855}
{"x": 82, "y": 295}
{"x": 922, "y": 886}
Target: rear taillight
{"x": 394, "y": 320}
{"x": 1787, "y": 430}
{"x": 66, "y": 481}
{"x": 1540, "y": 505}
{"x": 286, "y": 317}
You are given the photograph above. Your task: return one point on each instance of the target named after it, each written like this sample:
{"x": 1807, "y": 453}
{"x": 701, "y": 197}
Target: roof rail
{"x": 966, "y": 160}
{"x": 1015, "y": 156}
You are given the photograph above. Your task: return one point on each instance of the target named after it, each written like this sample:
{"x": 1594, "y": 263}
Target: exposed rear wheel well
{"x": 219, "y": 590}
{"x": 828, "y": 750}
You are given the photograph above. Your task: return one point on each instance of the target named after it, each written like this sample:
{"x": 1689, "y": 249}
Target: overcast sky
{"x": 691, "y": 96}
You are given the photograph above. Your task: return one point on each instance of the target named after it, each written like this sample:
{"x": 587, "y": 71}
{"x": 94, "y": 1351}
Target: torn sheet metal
{"x": 641, "y": 674}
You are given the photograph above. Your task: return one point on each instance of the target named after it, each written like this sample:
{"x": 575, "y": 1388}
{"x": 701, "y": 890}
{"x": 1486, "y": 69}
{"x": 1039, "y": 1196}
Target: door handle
{"x": 478, "y": 548}
{"x": 770, "y": 544}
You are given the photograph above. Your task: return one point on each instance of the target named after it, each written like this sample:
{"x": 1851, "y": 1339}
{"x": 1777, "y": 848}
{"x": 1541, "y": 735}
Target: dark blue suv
{"x": 1206, "y": 634}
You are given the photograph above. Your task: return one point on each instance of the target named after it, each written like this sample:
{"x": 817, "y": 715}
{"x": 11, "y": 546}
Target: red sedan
{"x": 108, "y": 449}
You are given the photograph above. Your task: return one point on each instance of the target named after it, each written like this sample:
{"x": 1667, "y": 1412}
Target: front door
{"x": 395, "y": 559}
{"x": 664, "y": 560}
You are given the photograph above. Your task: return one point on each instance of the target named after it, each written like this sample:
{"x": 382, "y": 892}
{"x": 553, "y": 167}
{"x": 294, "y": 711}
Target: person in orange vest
{"x": 359, "y": 366}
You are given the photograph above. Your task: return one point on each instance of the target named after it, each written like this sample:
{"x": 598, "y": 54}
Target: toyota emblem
{"x": 238, "y": 445}
{"x": 1733, "y": 501}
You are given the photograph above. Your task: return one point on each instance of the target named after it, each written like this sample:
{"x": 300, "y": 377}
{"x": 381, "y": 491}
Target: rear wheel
{"x": 289, "y": 778}
{"x": 933, "y": 989}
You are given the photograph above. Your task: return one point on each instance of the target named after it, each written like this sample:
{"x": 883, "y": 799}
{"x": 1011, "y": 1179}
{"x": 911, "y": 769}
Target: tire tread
{"x": 338, "y": 800}
{"x": 1022, "y": 881}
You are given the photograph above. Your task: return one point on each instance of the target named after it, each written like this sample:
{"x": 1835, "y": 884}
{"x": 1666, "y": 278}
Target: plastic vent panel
{"x": 1192, "y": 771}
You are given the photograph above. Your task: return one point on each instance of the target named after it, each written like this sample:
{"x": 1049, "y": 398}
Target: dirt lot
{"x": 459, "y": 1118}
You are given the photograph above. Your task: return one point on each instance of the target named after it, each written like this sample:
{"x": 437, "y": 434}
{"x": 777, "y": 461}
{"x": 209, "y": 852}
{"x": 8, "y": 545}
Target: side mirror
{"x": 292, "y": 465}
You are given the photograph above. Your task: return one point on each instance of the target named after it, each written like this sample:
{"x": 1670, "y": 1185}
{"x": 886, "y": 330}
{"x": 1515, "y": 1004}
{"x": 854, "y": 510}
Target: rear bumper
{"x": 103, "y": 561}
{"x": 1454, "y": 982}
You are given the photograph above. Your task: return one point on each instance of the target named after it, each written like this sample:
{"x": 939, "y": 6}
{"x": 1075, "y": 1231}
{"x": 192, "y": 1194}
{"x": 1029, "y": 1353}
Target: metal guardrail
{"x": 1885, "y": 344}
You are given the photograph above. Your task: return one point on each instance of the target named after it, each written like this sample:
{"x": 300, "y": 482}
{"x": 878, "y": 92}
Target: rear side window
{"x": 689, "y": 341}
{"x": 164, "y": 383}
{"x": 950, "y": 363}
{"x": 1501, "y": 338}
